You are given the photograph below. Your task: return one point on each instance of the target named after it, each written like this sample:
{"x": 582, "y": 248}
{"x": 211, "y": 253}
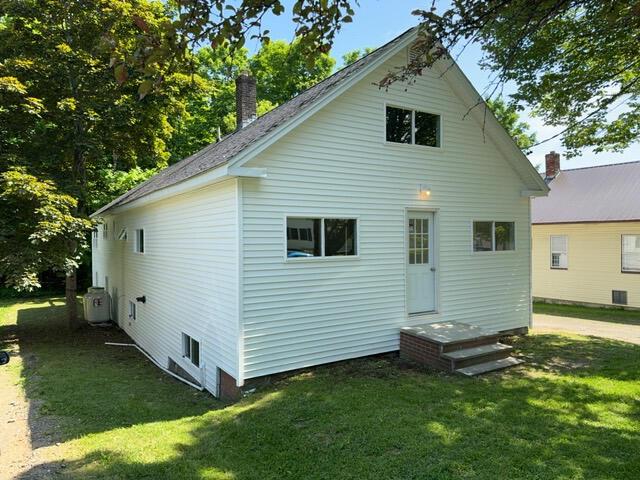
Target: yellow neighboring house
{"x": 586, "y": 235}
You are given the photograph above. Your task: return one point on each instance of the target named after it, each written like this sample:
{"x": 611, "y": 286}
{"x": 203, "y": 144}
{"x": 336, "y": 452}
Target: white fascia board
{"x": 247, "y": 172}
{"x": 207, "y": 178}
{"x": 253, "y": 150}
{"x": 464, "y": 89}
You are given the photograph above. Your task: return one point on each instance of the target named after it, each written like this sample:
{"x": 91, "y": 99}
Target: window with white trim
{"x": 412, "y": 127}
{"x": 494, "y": 236}
{"x": 631, "y": 253}
{"x": 132, "y": 310}
{"x": 105, "y": 231}
{"x": 559, "y": 251}
{"x": 139, "y": 241}
{"x": 191, "y": 349}
{"x": 95, "y": 238}
{"x": 321, "y": 237}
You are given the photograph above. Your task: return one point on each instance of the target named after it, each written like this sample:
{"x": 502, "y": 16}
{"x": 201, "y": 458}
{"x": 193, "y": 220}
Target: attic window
{"x": 412, "y": 127}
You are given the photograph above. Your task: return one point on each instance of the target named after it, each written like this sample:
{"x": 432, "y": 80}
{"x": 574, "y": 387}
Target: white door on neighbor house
{"x": 420, "y": 262}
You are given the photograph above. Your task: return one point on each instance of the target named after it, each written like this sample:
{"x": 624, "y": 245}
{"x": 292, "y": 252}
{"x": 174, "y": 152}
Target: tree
{"x": 281, "y": 71}
{"x": 55, "y": 58}
{"x": 39, "y": 231}
{"x": 576, "y": 64}
{"x": 355, "y": 55}
{"x": 507, "y": 115}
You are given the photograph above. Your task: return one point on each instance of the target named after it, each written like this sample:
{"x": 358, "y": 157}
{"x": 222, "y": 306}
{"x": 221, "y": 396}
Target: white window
{"x": 132, "y": 310}
{"x": 95, "y": 238}
{"x": 139, "y": 243}
{"x": 559, "y": 251}
{"x": 105, "y": 231}
{"x": 494, "y": 236}
{"x": 631, "y": 253}
{"x": 321, "y": 237}
{"x": 191, "y": 349}
{"x": 412, "y": 127}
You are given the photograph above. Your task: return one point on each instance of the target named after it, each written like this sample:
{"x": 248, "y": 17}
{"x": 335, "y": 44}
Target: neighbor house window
{"x": 559, "y": 251}
{"x": 139, "y": 243}
{"x": 132, "y": 310}
{"x": 321, "y": 237}
{"x": 105, "y": 231}
{"x": 412, "y": 127}
{"x": 95, "y": 238}
{"x": 191, "y": 349}
{"x": 631, "y": 253}
{"x": 493, "y": 236}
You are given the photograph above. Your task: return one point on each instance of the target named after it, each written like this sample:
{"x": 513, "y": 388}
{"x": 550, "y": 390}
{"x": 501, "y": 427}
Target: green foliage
{"x": 55, "y": 56}
{"x": 570, "y": 412}
{"x": 281, "y": 70}
{"x": 575, "y": 63}
{"x": 507, "y": 115}
{"x": 355, "y": 55}
{"x": 38, "y": 230}
{"x": 111, "y": 184}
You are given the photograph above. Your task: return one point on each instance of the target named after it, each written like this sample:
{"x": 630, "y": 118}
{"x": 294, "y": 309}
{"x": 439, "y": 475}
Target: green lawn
{"x": 615, "y": 315}
{"x": 572, "y": 413}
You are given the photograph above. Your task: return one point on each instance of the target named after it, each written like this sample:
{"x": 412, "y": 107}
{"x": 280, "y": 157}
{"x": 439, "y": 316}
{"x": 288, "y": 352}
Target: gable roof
{"x": 267, "y": 125}
{"x": 606, "y": 193}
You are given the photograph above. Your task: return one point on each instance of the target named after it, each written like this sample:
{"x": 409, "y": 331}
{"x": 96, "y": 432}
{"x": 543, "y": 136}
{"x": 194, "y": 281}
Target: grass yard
{"x": 572, "y": 413}
{"x": 614, "y": 315}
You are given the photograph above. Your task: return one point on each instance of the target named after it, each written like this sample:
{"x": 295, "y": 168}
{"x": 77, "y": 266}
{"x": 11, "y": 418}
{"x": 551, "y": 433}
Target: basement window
{"x": 191, "y": 349}
{"x": 494, "y": 236}
{"x": 619, "y": 297}
{"x": 412, "y": 127}
{"x": 631, "y": 253}
{"x": 132, "y": 310}
{"x": 139, "y": 243}
{"x": 321, "y": 237}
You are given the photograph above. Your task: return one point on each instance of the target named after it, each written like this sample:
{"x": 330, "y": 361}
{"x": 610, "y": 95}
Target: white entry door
{"x": 420, "y": 262}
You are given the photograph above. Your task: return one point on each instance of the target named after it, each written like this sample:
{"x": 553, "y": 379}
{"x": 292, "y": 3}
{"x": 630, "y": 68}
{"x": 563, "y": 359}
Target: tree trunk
{"x": 71, "y": 301}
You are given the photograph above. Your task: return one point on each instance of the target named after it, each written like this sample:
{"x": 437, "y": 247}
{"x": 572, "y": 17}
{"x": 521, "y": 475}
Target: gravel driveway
{"x": 616, "y": 331}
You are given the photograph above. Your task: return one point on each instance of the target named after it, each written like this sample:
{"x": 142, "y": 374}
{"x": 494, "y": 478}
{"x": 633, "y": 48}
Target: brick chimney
{"x": 552, "y": 162}
{"x": 245, "y": 100}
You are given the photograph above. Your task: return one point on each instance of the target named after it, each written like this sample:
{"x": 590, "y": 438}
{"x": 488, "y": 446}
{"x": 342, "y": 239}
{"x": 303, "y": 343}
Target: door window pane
{"x": 418, "y": 241}
{"x": 398, "y": 125}
{"x": 427, "y": 129}
{"x": 482, "y": 236}
{"x": 310, "y": 245}
{"x": 505, "y": 236}
{"x": 339, "y": 237}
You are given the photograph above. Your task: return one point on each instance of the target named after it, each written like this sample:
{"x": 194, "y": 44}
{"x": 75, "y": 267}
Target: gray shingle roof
{"x": 605, "y": 193}
{"x": 221, "y": 152}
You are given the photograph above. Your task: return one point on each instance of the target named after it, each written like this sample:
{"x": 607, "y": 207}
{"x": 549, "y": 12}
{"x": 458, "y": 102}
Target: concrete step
{"x": 480, "y": 351}
{"x": 489, "y": 366}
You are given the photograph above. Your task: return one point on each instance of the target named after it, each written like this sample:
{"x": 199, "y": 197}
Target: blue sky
{"x": 378, "y": 21}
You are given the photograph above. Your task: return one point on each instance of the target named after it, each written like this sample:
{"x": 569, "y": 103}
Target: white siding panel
{"x": 188, "y": 273}
{"x": 337, "y": 163}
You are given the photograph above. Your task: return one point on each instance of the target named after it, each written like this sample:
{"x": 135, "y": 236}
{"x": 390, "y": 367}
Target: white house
{"x": 315, "y": 232}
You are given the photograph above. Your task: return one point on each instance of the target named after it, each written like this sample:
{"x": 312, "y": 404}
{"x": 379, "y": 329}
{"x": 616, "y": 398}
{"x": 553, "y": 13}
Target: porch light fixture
{"x": 424, "y": 191}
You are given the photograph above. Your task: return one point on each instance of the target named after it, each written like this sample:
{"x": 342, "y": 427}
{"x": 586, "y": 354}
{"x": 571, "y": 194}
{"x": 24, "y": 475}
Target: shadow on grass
{"x": 572, "y": 412}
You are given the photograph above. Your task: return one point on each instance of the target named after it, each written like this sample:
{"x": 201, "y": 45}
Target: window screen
{"x": 619, "y": 297}
{"x": 339, "y": 237}
{"x": 631, "y": 253}
{"x": 482, "y": 236}
{"x": 559, "y": 256}
{"x": 427, "y": 129}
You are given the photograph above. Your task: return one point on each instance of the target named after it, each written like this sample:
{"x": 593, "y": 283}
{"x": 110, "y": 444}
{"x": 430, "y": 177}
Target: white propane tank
{"x": 96, "y": 305}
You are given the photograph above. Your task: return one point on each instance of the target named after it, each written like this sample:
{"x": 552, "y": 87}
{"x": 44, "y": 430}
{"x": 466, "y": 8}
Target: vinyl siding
{"x": 594, "y": 263}
{"x": 336, "y": 163}
{"x": 188, "y": 273}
